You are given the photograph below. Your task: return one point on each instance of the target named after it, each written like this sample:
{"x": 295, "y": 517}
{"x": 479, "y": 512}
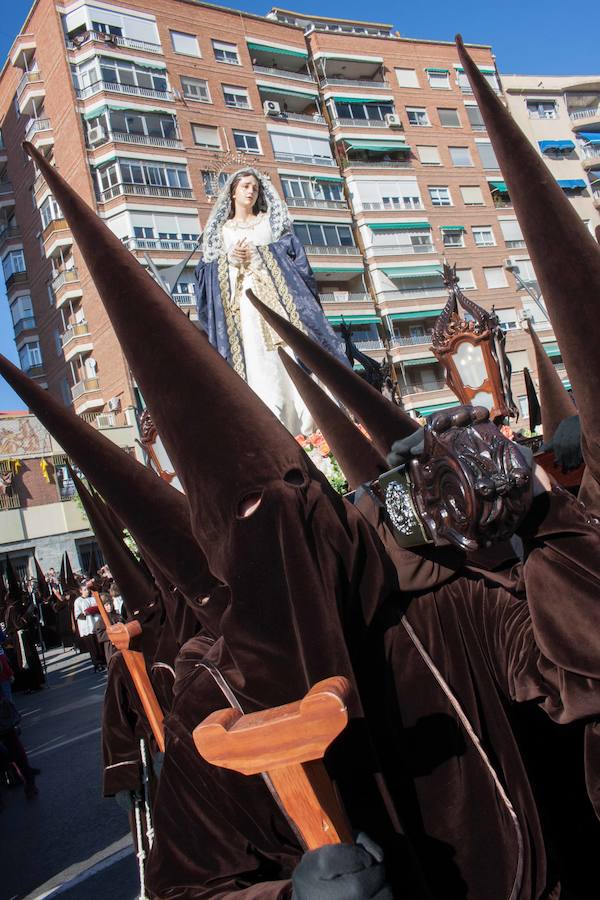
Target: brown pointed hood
{"x": 156, "y": 514}
{"x": 359, "y": 460}
{"x": 535, "y": 413}
{"x": 563, "y": 252}
{"x": 384, "y": 421}
{"x": 555, "y": 402}
{"x": 68, "y": 582}
{"x": 15, "y": 591}
{"x": 42, "y": 584}
{"x": 222, "y": 440}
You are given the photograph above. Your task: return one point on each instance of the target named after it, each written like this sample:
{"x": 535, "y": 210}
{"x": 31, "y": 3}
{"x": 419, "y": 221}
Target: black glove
{"x": 342, "y": 872}
{"x": 408, "y": 447}
{"x": 566, "y": 443}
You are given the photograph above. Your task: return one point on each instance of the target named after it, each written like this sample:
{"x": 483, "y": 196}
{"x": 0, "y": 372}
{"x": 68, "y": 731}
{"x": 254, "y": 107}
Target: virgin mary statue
{"x": 248, "y": 242}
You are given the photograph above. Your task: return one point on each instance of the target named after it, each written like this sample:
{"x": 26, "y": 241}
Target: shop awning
{"x": 412, "y": 316}
{"x": 556, "y": 145}
{"x": 592, "y": 137}
{"x": 267, "y": 48}
{"x": 267, "y": 89}
{"x": 400, "y": 226}
{"x": 413, "y": 272}
{"x": 499, "y": 186}
{"x": 376, "y": 146}
{"x": 452, "y": 228}
{"x": 422, "y": 361}
{"x": 552, "y": 349}
{"x": 428, "y": 410}
{"x": 438, "y": 71}
{"x": 572, "y": 184}
{"x": 354, "y": 320}
{"x": 363, "y": 99}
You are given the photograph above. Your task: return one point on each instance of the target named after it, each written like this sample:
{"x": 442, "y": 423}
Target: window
{"x": 407, "y": 77}
{"x": 465, "y": 278}
{"x": 94, "y": 72}
{"x": 438, "y": 78}
{"x": 495, "y": 277}
{"x": 103, "y": 28}
{"x": 429, "y": 156}
{"x": 460, "y": 156}
{"x": 417, "y": 241}
{"x": 523, "y": 406}
{"x": 226, "y": 53}
{"x": 321, "y": 235}
{"x": 388, "y": 194}
{"x": 247, "y": 141}
{"x": 511, "y": 232}
{"x": 300, "y": 148}
{"x": 49, "y": 211}
{"x": 185, "y": 43}
{"x": 487, "y": 155}
{"x": 417, "y": 116}
{"x": 524, "y": 268}
{"x": 361, "y": 112}
{"x": 541, "y": 109}
{"x": 453, "y": 238}
{"x": 13, "y": 262}
{"x": 130, "y": 172}
{"x": 483, "y": 236}
{"x": 475, "y": 118}
{"x": 30, "y": 355}
{"x": 21, "y": 310}
{"x": 507, "y": 318}
{"x": 519, "y": 360}
{"x": 236, "y": 96}
{"x": 440, "y": 196}
{"x": 296, "y": 188}
{"x": 449, "y": 118}
{"x": 195, "y": 89}
{"x": 213, "y": 184}
{"x": 472, "y": 195}
{"x": 206, "y": 136}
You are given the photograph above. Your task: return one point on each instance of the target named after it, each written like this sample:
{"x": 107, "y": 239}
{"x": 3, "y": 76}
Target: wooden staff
{"x": 136, "y": 664}
{"x": 287, "y": 744}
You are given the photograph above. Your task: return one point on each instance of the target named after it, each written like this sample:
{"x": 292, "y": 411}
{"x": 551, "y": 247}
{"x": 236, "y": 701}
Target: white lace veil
{"x": 279, "y": 216}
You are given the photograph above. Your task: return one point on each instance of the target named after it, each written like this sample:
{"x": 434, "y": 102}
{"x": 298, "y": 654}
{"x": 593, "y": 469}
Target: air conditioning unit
{"x": 114, "y": 404}
{"x": 511, "y": 263}
{"x": 271, "y": 108}
{"x": 96, "y": 136}
{"x": 392, "y": 120}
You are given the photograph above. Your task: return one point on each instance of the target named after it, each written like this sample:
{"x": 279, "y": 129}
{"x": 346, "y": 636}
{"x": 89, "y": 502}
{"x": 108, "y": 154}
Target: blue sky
{"x": 527, "y": 36}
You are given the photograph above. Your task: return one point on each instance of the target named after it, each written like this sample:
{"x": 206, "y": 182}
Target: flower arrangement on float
{"x": 319, "y": 451}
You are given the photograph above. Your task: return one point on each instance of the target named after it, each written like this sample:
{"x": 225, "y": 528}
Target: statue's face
{"x": 246, "y": 192}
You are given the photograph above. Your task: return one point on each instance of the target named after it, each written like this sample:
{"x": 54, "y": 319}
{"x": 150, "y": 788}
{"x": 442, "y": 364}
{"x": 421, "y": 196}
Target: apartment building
{"x": 375, "y": 141}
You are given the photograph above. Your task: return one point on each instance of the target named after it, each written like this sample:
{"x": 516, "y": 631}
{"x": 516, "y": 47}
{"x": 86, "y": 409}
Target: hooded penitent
{"x": 359, "y": 460}
{"x": 15, "y": 591}
{"x": 563, "y": 252}
{"x": 42, "y": 584}
{"x": 384, "y": 421}
{"x": 68, "y": 582}
{"x": 535, "y": 414}
{"x": 555, "y": 401}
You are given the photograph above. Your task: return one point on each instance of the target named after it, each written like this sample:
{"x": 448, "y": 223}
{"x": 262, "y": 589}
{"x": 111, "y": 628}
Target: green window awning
{"x": 376, "y": 146}
{"x": 335, "y": 178}
{"x": 436, "y": 407}
{"x": 139, "y": 64}
{"x": 499, "y": 186}
{"x": 413, "y": 272}
{"x": 487, "y": 70}
{"x": 399, "y": 226}
{"x": 255, "y": 45}
{"x": 552, "y": 349}
{"x": 332, "y": 268}
{"x": 438, "y": 71}
{"x": 285, "y": 91}
{"x": 354, "y": 320}
{"x": 115, "y": 108}
{"x": 422, "y": 361}
{"x": 361, "y": 100}
{"x": 452, "y": 228}
{"x": 412, "y": 316}
{"x": 103, "y": 162}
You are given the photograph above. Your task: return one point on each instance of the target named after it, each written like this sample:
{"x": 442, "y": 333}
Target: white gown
{"x": 264, "y": 371}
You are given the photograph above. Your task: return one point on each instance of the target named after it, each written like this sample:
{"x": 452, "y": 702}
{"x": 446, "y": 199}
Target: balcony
{"x": 515, "y": 245}
{"x": 316, "y": 250}
{"x": 370, "y": 345}
{"x": 16, "y": 278}
{"x": 10, "y": 501}
{"x": 308, "y": 160}
{"x": 39, "y": 131}
{"x": 67, "y": 277}
{"x": 312, "y": 203}
{"x": 9, "y": 234}
{"x": 588, "y": 112}
{"x": 158, "y": 244}
{"x": 406, "y": 293}
{"x": 407, "y": 389}
{"x": 34, "y": 370}
{"x": 85, "y": 386}
{"x": 80, "y": 329}
{"x": 23, "y": 50}
{"x": 412, "y": 341}
{"x": 311, "y": 118}
{"x": 589, "y": 154}
{"x": 362, "y": 206}
{"x": 113, "y": 87}
{"x": 401, "y": 250}
{"x": 184, "y": 299}
{"x": 34, "y": 77}
{"x": 111, "y": 40}
{"x": 342, "y": 122}
{"x": 56, "y": 234}
{"x": 147, "y": 140}
{"x": 25, "y": 324}
{"x": 333, "y": 81}
{"x": 345, "y": 297}
{"x": 144, "y": 190}
{"x": 284, "y": 73}
{"x": 376, "y": 164}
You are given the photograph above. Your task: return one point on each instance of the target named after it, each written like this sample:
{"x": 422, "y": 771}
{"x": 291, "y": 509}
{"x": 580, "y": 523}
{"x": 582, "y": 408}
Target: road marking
{"x": 64, "y": 743}
{"x": 71, "y": 877}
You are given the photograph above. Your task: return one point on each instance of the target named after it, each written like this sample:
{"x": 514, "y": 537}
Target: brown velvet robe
{"x": 439, "y": 676}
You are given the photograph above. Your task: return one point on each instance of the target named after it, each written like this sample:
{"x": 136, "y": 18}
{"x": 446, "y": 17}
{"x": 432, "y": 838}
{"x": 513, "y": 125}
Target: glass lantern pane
{"x": 470, "y": 364}
{"x": 483, "y": 398}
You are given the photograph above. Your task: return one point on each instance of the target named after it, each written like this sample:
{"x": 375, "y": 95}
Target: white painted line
{"x": 74, "y": 875}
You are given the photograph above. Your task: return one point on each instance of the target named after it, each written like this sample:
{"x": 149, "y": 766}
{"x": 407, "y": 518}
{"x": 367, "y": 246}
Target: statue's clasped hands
{"x": 242, "y": 252}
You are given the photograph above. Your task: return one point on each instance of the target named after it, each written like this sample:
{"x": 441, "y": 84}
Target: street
{"x": 68, "y": 840}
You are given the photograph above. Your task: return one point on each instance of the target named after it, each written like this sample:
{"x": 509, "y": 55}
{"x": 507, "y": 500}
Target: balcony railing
{"x": 342, "y": 122}
{"x": 302, "y": 158}
{"x": 53, "y": 226}
{"x": 333, "y": 81}
{"x": 9, "y": 234}
{"x": 591, "y": 151}
{"x": 79, "y": 329}
{"x": 147, "y": 140}
{"x": 596, "y": 193}
{"x": 403, "y": 293}
{"x": 159, "y": 244}
{"x": 36, "y": 125}
{"x": 499, "y": 203}
{"x": 184, "y": 299}
{"x": 377, "y": 164}
{"x": 370, "y": 345}
{"x": 6, "y": 187}
{"x": 406, "y": 389}
{"x": 86, "y": 37}
{"x": 25, "y": 324}
{"x": 312, "y": 203}
{"x": 411, "y": 341}
{"x": 15, "y": 278}
{"x": 10, "y": 501}
{"x": 317, "y": 250}
{"x": 343, "y": 297}
{"x": 27, "y": 79}
{"x": 84, "y": 387}
{"x": 515, "y": 245}
{"x": 283, "y": 73}
{"x": 401, "y": 250}
{"x": 590, "y": 112}
{"x": 313, "y": 118}
{"x": 378, "y": 204}
{"x": 69, "y": 276}
{"x": 114, "y": 87}
{"x": 145, "y": 190}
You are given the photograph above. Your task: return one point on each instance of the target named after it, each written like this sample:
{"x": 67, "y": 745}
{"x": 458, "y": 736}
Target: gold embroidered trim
{"x": 231, "y": 308}
{"x": 281, "y": 287}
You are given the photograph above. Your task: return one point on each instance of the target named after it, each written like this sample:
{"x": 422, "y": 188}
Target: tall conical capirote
{"x": 42, "y": 585}
{"x": 359, "y": 459}
{"x": 14, "y": 587}
{"x": 222, "y": 440}
{"x": 68, "y": 582}
{"x": 563, "y": 252}
{"x": 384, "y": 421}
{"x": 156, "y": 514}
{"x": 138, "y": 589}
{"x": 533, "y": 404}
{"x": 555, "y": 401}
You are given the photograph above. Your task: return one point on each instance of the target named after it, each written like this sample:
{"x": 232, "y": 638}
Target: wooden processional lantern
{"x": 471, "y": 349}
